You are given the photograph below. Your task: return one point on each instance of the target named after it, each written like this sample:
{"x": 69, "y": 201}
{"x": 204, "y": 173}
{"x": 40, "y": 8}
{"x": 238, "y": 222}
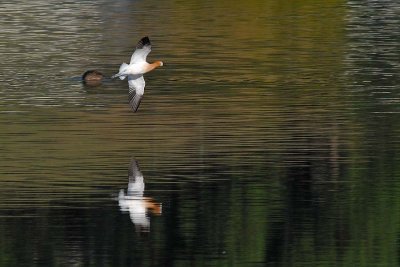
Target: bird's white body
{"x": 135, "y": 70}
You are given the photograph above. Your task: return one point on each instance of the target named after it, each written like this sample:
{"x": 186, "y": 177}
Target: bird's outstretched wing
{"x": 143, "y": 48}
{"x": 136, "y": 182}
{"x": 136, "y": 90}
{"x": 134, "y": 170}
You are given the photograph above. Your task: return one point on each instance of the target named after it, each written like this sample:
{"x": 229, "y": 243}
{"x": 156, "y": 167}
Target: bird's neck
{"x": 153, "y": 65}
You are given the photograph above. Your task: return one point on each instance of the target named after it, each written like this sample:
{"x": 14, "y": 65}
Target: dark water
{"x": 269, "y": 137}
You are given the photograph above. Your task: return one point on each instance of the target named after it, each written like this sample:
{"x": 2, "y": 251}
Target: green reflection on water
{"x": 267, "y": 136}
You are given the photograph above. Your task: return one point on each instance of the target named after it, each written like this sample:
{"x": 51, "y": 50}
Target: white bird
{"x": 135, "y": 70}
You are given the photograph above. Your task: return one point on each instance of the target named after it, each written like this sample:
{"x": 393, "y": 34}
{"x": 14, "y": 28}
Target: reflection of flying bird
{"x": 136, "y": 183}
{"x": 135, "y": 70}
{"x": 134, "y": 202}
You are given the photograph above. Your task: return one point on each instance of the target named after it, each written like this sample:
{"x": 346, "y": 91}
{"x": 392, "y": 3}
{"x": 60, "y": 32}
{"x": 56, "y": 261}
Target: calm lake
{"x": 270, "y": 136}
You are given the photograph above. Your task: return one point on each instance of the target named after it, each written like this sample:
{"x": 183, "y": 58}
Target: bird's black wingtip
{"x": 134, "y": 169}
{"x": 143, "y": 42}
{"x": 134, "y": 101}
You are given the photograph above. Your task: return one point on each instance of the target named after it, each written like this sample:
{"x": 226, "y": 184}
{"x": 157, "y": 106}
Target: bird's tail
{"x": 121, "y": 70}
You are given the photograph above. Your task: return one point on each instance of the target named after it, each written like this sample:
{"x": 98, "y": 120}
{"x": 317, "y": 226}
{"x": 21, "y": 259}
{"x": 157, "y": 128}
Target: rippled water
{"x": 269, "y": 137}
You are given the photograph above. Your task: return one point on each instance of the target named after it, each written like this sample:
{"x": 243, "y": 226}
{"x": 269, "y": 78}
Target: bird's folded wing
{"x": 143, "y": 48}
{"x": 136, "y": 90}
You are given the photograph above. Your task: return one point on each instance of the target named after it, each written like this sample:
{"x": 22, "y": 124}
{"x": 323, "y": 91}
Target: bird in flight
{"x": 135, "y": 70}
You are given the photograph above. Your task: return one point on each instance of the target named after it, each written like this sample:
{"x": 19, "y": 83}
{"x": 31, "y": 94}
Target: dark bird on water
{"x": 92, "y": 77}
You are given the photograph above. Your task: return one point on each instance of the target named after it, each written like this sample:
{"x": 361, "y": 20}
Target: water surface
{"x": 269, "y": 137}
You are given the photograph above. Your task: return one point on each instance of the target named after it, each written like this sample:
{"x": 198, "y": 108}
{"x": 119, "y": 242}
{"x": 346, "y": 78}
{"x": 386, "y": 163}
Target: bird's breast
{"x": 138, "y": 68}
